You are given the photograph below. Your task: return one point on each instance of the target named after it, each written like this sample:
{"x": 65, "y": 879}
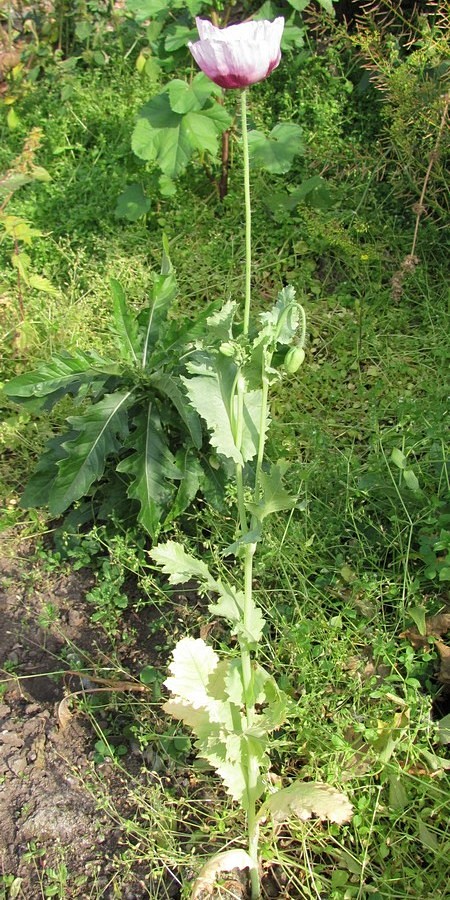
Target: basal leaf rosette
{"x": 240, "y": 55}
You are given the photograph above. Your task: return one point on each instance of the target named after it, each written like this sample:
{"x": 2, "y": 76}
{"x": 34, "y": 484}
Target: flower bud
{"x": 294, "y": 359}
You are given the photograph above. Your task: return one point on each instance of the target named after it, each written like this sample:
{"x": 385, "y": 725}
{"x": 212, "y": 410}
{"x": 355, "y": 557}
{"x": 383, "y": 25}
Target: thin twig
{"x": 433, "y": 157}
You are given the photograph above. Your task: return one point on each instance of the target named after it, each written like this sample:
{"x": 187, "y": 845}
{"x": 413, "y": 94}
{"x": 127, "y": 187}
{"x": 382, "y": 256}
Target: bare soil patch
{"x": 51, "y": 818}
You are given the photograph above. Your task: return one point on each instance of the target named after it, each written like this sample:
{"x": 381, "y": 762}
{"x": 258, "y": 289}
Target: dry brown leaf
{"x": 436, "y": 626}
{"x": 63, "y": 712}
{"x": 444, "y": 670}
{"x": 221, "y": 862}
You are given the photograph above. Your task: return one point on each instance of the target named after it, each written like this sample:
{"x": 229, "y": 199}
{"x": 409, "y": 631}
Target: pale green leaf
{"x": 41, "y": 174}
{"x": 12, "y": 182}
{"x": 21, "y": 262}
{"x": 193, "y": 663}
{"x": 183, "y": 711}
{"x": 210, "y": 395}
{"x": 411, "y": 481}
{"x": 179, "y": 565}
{"x": 252, "y": 631}
{"x": 398, "y": 458}
{"x": 12, "y": 119}
{"x": 205, "y": 394}
{"x": 280, "y": 324}
{"x": 274, "y": 497}
{"x": 40, "y": 283}
{"x": 307, "y": 799}
{"x": 220, "y": 323}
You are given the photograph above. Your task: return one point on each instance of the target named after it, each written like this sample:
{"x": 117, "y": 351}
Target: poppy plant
{"x": 239, "y": 55}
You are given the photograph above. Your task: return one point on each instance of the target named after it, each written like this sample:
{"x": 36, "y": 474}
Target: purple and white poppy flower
{"x": 239, "y": 55}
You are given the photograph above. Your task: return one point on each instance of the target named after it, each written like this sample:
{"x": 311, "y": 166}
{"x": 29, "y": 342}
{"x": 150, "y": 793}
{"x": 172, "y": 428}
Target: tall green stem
{"x": 248, "y": 213}
{"x": 247, "y": 674}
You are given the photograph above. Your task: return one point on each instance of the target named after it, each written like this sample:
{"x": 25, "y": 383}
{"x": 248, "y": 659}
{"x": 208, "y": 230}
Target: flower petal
{"x": 239, "y": 55}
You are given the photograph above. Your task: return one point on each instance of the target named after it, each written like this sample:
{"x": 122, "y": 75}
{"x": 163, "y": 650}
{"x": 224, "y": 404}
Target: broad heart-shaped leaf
{"x": 178, "y": 36}
{"x": 151, "y": 467}
{"x": 125, "y": 324}
{"x": 96, "y": 439}
{"x": 169, "y": 138}
{"x": 204, "y": 127}
{"x": 64, "y": 374}
{"x": 132, "y": 203}
{"x": 305, "y": 799}
{"x": 276, "y": 152}
{"x": 192, "y": 97}
{"x": 145, "y": 9}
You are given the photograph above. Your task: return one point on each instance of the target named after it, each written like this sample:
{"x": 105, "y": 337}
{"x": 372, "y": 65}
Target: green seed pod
{"x": 294, "y": 359}
{"x": 227, "y": 349}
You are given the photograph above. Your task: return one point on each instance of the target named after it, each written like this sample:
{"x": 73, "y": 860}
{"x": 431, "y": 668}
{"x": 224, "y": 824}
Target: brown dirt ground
{"x": 48, "y": 810}
{"x": 58, "y": 806}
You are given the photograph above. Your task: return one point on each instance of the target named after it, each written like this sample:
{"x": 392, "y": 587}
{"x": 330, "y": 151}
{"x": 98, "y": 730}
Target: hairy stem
{"x": 247, "y": 673}
{"x": 248, "y": 214}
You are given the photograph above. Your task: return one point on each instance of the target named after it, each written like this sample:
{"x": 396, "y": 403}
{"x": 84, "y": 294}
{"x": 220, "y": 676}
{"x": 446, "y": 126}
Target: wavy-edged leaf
{"x": 220, "y": 862}
{"x": 39, "y": 487}
{"x": 64, "y": 374}
{"x": 96, "y": 438}
{"x": 152, "y": 469}
{"x": 280, "y": 323}
{"x": 179, "y": 565}
{"x": 192, "y": 477}
{"x": 211, "y": 394}
{"x": 193, "y": 662}
{"x": 163, "y": 292}
{"x": 125, "y": 323}
{"x": 173, "y": 389}
{"x": 305, "y": 799}
{"x": 275, "y": 498}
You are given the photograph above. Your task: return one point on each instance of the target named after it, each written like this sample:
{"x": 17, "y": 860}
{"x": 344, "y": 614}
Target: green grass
{"x": 339, "y": 579}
